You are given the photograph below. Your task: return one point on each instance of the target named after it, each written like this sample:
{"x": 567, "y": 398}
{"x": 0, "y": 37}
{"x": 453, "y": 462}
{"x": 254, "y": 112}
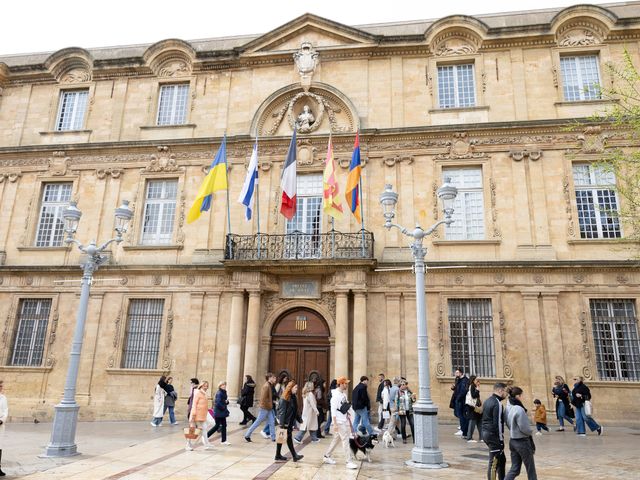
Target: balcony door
{"x": 303, "y": 231}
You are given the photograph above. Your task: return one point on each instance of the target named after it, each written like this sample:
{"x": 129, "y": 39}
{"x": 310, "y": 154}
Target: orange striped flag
{"x": 330, "y": 186}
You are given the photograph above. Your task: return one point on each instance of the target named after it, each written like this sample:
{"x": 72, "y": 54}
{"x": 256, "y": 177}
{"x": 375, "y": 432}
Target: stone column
{"x": 253, "y": 336}
{"x": 535, "y": 346}
{"x": 342, "y": 335}
{"x": 554, "y": 343}
{"x": 234, "y": 361}
{"x": 359, "y": 335}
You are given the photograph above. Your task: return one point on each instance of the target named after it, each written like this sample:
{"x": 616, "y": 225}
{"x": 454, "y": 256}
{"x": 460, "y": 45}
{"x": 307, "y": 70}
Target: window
{"x": 471, "y": 329}
{"x": 468, "y": 206}
{"x": 615, "y": 334}
{"x": 303, "y": 230}
{"x": 172, "y": 106}
{"x": 33, "y": 318}
{"x": 73, "y": 105}
{"x": 159, "y": 212}
{"x": 55, "y": 198}
{"x": 142, "y": 342}
{"x": 456, "y": 86}
{"x": 596, "y": 201}
{"x": 580, "y": 77}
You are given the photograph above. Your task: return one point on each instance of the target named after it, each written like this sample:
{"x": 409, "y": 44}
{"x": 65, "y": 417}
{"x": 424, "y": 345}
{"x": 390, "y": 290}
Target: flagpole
{"x": 333, "y": 237}
{"x": 258, "y": 198}
{"x": 361, "y": 206}
{"x": 226, "y": 166}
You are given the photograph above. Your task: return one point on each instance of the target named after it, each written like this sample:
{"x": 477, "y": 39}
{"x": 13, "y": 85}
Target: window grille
{"x": 304, "y": 229}
{"x": 172, "y": 105}
{"x": 596, "y": 202}
{"x": 55, "y": 198}
{"x": 615, "y": 334}
{"x": 73, "y": 105}
{"x": 580, "y": 77}
{"x": 159, "y": 212}
{"x": 471, "y": 329}
{"x": 468, "y": 213}
{"x": 142, "y": 342}
{"x": 456, "y": 86}
{"x": 33, "y": 318}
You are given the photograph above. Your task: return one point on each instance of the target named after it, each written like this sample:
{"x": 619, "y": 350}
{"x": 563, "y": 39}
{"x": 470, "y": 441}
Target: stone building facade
{"x": 533, "y": 280}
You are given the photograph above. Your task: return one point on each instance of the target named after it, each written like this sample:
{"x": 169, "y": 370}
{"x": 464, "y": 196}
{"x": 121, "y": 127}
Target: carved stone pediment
{"x": 76, "y": 75}
{"x": 578, "y": 38}
{"x": 456, "y": 41}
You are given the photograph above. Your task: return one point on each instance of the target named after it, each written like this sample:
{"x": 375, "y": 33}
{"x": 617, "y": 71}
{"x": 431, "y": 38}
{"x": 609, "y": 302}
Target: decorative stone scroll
{"x": 102, "y": 173}
{"x": 586, "y": 351}
{"x": 460, "y": 147}
{"x": 519, "y": 155}
{"x": 507, "y": 370}
{"x": 568, "y": 208}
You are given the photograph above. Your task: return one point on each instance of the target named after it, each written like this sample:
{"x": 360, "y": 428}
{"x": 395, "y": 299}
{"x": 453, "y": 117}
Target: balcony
{"x": 298, "y": 246}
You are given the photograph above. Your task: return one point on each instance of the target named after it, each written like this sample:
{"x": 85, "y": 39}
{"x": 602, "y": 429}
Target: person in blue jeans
{"x": 265, "y": 411}
{"x": 561, "y": 393}
{"x": 362, "y": 405}
{"x": 276, "y": 391}
{"x": 582, "y": 394}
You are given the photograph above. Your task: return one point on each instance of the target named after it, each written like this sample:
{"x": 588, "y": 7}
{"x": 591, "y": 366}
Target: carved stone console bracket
{"x": 519, "y": 155}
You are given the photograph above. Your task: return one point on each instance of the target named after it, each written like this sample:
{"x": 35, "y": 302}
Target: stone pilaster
{"x": 535, "y": 346}
{"x": 342, "y": 335}
{"x": 252, "y": 336}
{"x": 359, "y": 335}
{"x": 234, "y": 360}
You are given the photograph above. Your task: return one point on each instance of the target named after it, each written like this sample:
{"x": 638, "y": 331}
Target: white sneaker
{"x": 472, "y": 441}
{"x": 175, "y": 423}
{"x": 188, "y": 448}
{"x": 351, "y": 465}
{"x": 296, "y": 441}
{"x": 315, "y": 440}
{"x": 458, "y": 433}
{"x": 208, "y": 447}
{"x": 264, "y": 435}
{"x": 328, "y": 460}
{"x": 225, "y": 443}
{"x": 153, "y": 424}
{"x": 538, "y": 434}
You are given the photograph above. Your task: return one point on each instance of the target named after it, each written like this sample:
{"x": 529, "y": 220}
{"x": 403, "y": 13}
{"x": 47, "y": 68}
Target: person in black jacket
{"x": 582, "y": 394}
{"x": 362, "y": 405}
{"x": 493, "y": 431}
{"x": 560, "y": 392}
{"x": 460, "y": 389}
{"x": 287, "y": 416}
{"x": 246, "y": 400}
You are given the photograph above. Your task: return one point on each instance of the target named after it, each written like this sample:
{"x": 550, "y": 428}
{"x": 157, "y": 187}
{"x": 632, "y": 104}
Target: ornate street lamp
{"x": 426, "y": 453}
{"x": 63, "y": 435}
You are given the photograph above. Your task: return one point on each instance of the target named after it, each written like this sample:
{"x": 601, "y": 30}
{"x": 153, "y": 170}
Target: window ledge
{"x": 134, "y": 248}
{"x": 599, "y": 101}
{"x": 458, "y": 109}
{"x": 600, "y": 240}
{"x": 25, "y": 369}
{"x": 467, "y": 242}
{"x": 44, "y": 249}
{"x": 135, "y": 371}
{"x": 488, "y": 380}
{"x": 162, "y": 127}
{"x": 613, "y": 383}
{"x": 64, "y": 132}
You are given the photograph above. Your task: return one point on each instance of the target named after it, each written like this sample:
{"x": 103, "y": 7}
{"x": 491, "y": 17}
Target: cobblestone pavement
{"x": 135, "y": 450}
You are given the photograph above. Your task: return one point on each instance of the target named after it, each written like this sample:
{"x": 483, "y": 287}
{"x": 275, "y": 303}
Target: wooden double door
{"x": 300, "y": 346}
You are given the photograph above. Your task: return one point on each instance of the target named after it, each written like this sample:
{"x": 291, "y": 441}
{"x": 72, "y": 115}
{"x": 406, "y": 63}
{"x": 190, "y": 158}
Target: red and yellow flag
{"x": 330, "y": 202}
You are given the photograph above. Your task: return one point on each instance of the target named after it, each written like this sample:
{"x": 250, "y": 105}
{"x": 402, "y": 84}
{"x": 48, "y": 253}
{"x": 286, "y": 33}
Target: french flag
{"x": 289, "y": 181}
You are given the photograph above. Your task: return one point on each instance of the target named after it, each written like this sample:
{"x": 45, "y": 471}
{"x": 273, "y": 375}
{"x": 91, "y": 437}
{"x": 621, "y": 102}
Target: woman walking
{"x": 246, "y": 400}
{"x": 4, "y": 413}
{"x": 521, "y": 442}
{"x": 581, "y": 395}
{"x": 220, "y": 413}
{"x": 405, "y": 411}
{"x": 158, "y": 401}
{"x": 309, "y": 414}
{"x": 560, "y": 392}
{"x": 170, "y": 401}
{"x": 386, "y": 402}
{"x": 198, "y": 415}
{"x": 287, "y": 416}
{"x": 472, "y": 405}
{"x": 320, "y": 385}
{"x": 332, "y": 387}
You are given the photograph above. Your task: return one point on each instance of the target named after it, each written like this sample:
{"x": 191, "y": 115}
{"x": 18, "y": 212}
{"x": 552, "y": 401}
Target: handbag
{"x": 344, "y": 407}
{"x": 588, "y": 408}
{"x": 469, "y": 400}
{"x": 191, "y": 433}
{"x": 281, "y": 435}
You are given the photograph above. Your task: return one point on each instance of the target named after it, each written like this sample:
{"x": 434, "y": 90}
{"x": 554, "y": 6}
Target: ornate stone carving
{"x": 566, "y": 192}
{"x": 167, "y": 342}
{"x": 586, "y": 351}
{"x": 306, "y": 60}
{"x": 306, "y": 153}
{"x": 391, "y": 161}
{"x": 506, "y": 365}
{"x": 578, "y": 38}
{"x": 554, "y": 75}
{"x": 622, "y": 279}
{"x": 102, "y": 173}
{"x": 519, "y": 155}
{"x": 456, "y": 41}
{"x": 124, "y": 281}
{"x": 180, "y": 236}
{"x": 328, "y": 300}
{"x": 499, "y": 278}
{"x": 54, "y": 326}
{"x": 271, "y": 301}
{"x": 117, "y": 325}
{"x": 175, "y": 68}
{"x": 460, "y": 147}
{"x": 302, "y": 121}
{"x": 454, "y": 46}
{"x": 10, "y": 176}
{"x": 58, "y": 164}
{"x": 593, "y": 140}
{"x": 440, "y": 371}
{"x": 163, "y": 161}
{"x": 459, "y": 280}
{"x": 76, "y": 75}
{"x": 578, "y": 278}
{"x": 538, "y": 279}
{"x": 156, "y": 279}
{"x": 494, "y": 210}
{"x": 190, "y": 280}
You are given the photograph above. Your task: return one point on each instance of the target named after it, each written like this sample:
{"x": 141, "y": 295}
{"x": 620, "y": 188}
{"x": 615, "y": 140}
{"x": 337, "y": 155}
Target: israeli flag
{"x": 250, "y": 183}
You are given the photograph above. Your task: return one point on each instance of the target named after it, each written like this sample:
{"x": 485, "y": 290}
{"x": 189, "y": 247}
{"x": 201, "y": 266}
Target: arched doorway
{"x": 300, "y": 345}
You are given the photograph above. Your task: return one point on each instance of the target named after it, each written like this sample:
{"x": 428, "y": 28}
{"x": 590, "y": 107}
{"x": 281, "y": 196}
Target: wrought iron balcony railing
{"x": 300, "y": 246}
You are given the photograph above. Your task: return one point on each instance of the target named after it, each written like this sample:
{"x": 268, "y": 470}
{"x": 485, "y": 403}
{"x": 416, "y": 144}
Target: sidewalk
{"x": 135, "y": 450}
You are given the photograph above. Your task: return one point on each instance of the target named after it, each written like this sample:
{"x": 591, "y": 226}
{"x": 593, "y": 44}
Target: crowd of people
{"x": 491, "y": 416}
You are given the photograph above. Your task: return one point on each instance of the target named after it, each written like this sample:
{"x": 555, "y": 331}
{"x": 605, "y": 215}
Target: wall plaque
{"x": 300, "y": 288}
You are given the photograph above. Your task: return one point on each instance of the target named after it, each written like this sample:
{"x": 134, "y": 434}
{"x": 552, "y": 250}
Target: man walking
{"x": 362, "y": 405}
{"x": 459, "y": 395}
{"x": 381, "y": 378}
{"x": 341, "y": 428}
{"x": 493, "y": 431}
{"x": 265, "y": 411}
{"x": 394, "y": 391}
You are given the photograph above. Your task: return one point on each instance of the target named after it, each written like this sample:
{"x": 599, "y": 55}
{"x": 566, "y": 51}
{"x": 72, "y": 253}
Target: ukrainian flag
{"x": 215, "y": 180}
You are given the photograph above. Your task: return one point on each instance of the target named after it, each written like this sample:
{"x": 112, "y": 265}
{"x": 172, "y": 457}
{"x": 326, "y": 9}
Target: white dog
{"x": 388, "y": 441}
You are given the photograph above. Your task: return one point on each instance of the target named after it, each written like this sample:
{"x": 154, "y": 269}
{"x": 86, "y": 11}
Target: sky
{"x": 31, "y": 26}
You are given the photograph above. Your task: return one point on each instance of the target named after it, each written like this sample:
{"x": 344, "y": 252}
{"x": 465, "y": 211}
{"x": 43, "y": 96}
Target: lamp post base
{"x": 63, "y": 435}
{"x": 426, "y": 453}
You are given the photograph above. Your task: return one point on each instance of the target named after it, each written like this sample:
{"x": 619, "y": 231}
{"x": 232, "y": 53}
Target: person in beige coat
{"x": 4, "y": 414}
{"x": 198, "y": 416}
{"x": 309, "y": 414}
